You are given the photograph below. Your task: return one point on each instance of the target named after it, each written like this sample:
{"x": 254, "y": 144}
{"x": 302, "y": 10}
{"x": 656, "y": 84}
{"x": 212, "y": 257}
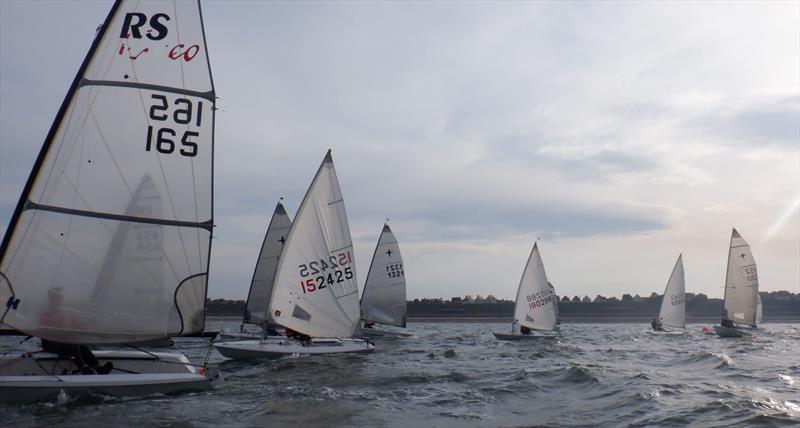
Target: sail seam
{"x": 30, "y": 205}
{"x": 209, "y": 95}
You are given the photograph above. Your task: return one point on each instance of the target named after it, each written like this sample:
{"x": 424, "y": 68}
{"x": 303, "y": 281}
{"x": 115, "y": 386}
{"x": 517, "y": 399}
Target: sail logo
{"x": 134, "y": 21}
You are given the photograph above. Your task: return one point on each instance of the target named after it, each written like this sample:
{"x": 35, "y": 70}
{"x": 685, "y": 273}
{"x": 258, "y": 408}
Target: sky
{"x": 619, "y": 134}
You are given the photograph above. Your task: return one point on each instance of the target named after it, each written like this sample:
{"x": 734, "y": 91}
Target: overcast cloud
{"x": 621, "y": 133}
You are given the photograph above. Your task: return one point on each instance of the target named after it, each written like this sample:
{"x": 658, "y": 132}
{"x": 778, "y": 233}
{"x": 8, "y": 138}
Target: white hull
{"x": 732, "y": 332}
{"x": 276, "y": 348}
{"x": 533, "y": 336}
{"x": 38, "y": 378}
{"x": 386, "y": 334}
{"x": 238, "y": 335}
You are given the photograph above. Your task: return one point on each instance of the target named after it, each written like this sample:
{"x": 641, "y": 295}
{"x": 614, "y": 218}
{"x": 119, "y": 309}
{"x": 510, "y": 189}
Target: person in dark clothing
{"x": 303, "y": 338}
{"x": 524, "y": 330}
{"x": 369, "y": 324}
{"x": 81, "y": 355}
{"x": 727, "y": 323}
{"x": 656, "y": 324}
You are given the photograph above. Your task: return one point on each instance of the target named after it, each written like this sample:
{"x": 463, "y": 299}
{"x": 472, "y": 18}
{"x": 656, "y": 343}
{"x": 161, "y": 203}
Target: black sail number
{"x": 165, "y": 139}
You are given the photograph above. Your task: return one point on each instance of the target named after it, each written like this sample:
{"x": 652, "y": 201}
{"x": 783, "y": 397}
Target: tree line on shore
{"x": 778, "y": 305}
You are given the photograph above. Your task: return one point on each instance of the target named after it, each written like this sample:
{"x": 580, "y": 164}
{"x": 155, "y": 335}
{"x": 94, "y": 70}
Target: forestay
{"x": 384, "y": 297}
{"x": 315, "y": 289}
{"x": 536, "y": 300}
{"x": 741, "y": 283}
{"x": 110, "y": 240}
{"x": 257, "y": 305}
{"x": 673, "y": 308}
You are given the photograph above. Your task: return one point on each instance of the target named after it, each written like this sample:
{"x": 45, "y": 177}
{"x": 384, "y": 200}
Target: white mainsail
{"x": 257, "y": 305}
{"x": 673, "y": 307}
{"x": 536, "y": 300}
{"x": 384, "y": 297}
{"x": 78, "y": 262}
{"x": 741, "y": 283}
{"x": 315, "y": 290}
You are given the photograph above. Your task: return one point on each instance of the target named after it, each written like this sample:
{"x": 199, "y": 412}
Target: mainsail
{"x": 741, "y": 283}
{"x": 536, "y": 300}
{"x": 257, "y": 305}
{"x": 315, "y": 290}
{"x": 85, "y": 258}
{"x": 673, "y": 308}
{"x": 555, "y": 306}
{"x": 384, "y": 297}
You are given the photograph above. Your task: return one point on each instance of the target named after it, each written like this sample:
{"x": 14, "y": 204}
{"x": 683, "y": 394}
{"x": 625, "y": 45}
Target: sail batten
{"x": 384, "y": 297}
{"x": 94, "y": 257}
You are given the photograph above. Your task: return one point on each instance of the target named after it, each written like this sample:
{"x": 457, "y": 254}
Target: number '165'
{"x": 164, "y": 138}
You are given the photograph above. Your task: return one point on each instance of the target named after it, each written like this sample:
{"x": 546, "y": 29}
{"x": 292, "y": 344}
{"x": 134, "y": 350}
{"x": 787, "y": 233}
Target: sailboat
{"x": 111, "y": 238}
{"x": 535, "y": 307}
{"x": 741, "y": 291}
{"x": 315, "y": 293}
{"x": 759, "y": 311}
{"x": 256, "y": 310}
{"x": 673, "y": 306}
{"x": 384, "y": 297}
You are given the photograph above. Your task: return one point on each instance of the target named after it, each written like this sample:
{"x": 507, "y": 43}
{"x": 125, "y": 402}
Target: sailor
{"x": 727, "y": 323}
{"x": 656, "y": 324}
{"x": 81, "y": 355}
{"x": 524, "y": 330}
{"x": 369, "y": 324}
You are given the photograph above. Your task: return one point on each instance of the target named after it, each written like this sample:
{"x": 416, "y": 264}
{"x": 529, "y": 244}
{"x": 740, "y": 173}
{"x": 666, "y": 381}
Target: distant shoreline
{"x": 565, "y": 320}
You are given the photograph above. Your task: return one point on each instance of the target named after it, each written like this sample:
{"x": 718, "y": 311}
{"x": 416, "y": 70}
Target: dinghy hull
{"x": 533, "y": 336}
{"x": 731, "y": 332}
{"x": 37, "y": 377}
{"x": 276, "y": 348}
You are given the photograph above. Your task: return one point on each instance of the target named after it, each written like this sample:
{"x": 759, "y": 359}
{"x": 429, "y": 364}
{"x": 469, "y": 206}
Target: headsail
{"x": 536, "y": 300}
{"x": 257, "y": 305}
{"x": 137, "y": 120}
{"x": 741, "y": 283}
{"x": 384, "y": 297}
{"x": 673, "y": 307}
{"x": 315, "y": 290}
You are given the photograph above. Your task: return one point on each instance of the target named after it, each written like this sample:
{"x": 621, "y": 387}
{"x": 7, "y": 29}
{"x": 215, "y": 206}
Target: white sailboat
{"x": 256, "y": 310}
{"x": 673, "y": 307}
{"x": 315, "y": 292}
{"x": 111, "y": 237}
{"x": 384, "y": 297}
{"x": 741, "y": 291}
{"x": 535, "y": 307}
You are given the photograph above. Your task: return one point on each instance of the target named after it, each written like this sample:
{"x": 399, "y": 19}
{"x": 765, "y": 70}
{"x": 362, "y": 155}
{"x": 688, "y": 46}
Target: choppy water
{"x": 459, "y": 375}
